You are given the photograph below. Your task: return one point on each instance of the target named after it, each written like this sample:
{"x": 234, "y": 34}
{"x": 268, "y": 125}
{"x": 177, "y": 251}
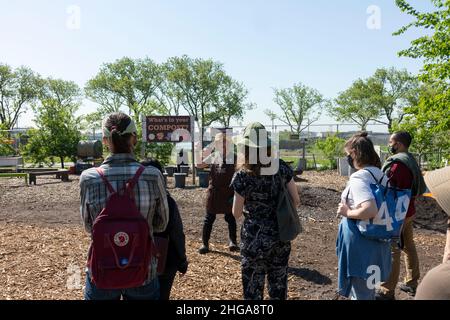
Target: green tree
{"x": 393, "y": 90}
{"x": 199, "y": 81}
{"x": 332, "y": 147}
{"x": 125, "y": 83}
{"x": 169, "y": 95}
{"x": 423, "y": 123}
{"x": 358, "y": 103}
{"x": 232, "y": 102}
{"x": 36, "y": 150}
{"x": 434, "y": 48}
{"x": 58, "y": 129}
{"x": 301, "y": 106}
{"x": 431, "y": 116}
{"x": 18, "y": 89}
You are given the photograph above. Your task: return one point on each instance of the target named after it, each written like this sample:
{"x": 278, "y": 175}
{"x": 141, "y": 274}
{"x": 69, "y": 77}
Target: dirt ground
{"x": 43, "y": 245}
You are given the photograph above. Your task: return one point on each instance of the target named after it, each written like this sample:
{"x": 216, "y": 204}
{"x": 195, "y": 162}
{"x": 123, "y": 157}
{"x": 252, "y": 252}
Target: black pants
{"x": 165, "y": 284}
{"x": 273, "y": 264}
{"x": 208, "y": 224}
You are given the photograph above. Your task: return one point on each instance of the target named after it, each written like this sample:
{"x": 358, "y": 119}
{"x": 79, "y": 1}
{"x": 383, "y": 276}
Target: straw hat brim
{"x": 438, "y": 182}
{"x": 240, "y": 140}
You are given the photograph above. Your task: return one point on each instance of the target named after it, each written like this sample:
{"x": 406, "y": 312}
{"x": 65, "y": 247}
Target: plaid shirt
{"x": 149, "y": 192}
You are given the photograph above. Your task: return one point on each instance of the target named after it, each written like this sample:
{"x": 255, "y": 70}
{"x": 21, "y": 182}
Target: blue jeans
{"x": 147, "y": 292}
{"x": 360, "y": 289}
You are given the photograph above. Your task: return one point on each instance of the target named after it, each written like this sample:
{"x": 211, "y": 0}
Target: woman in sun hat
{"x": 436, "y": 284}
{"x": 257, "y": 190}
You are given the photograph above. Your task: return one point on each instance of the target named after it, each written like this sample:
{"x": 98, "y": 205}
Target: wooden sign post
{"x": 170, "y": 129}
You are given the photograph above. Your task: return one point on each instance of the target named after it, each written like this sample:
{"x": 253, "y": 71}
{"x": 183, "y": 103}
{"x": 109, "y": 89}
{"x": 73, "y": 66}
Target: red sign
{"x": 168, "y": 129}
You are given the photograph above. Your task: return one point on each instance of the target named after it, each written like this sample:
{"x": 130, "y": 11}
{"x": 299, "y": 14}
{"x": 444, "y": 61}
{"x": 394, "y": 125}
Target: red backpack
{"x": 121, "y": 248}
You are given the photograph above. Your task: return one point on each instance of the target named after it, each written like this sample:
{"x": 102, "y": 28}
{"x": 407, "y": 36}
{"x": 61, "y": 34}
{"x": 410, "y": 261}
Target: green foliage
{"x": 200, "y": 82}
{"x": 125, "y": 83}
{"x": 357, "y": 104}
{"x": 434, "y": 48}
{"x": 301, "y": 106}
{"x": 58, "y": 129}
{"x": 425, "y": 124}
{"x": 5, "y": 147}
{"x": 429, "y": 120}
{"x": 170, "y": 96}
{"x": 199, "y": 86}
{"x": 232, "y": 102}
{"x": 381, "y": 98}
{"x": 161, "y": 152}
{"x": 18, "y": 89}
{"x": 332, "y": 147}
{"x": 35, "y": 151}
{"x": 394, "y": 90}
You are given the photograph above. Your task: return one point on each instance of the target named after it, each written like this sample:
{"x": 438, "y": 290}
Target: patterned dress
{"x": 262, "y": 251}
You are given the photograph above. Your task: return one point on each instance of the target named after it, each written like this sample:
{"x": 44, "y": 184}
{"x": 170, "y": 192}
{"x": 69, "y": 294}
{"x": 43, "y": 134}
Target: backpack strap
{"x": 348, "y": 195}
{"x": 132, "y": 182}
{"x": 373, "y": 176}
{"x": 105, "y": 181}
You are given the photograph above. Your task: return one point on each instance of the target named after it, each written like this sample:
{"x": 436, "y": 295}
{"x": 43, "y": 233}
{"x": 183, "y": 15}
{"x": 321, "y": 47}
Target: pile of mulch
{"x": 39, "y": 262}
{"x": 48, "y": 263}
{"x": 43, "y": 245}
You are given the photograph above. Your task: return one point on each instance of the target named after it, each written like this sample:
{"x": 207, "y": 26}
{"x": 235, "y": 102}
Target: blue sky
{"x": 265, "y": 44}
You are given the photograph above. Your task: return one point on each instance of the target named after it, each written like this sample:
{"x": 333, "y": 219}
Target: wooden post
{"x": 304, "y": 149}
{"x": 144, "y": 136}
{"x": 193, "y": 150}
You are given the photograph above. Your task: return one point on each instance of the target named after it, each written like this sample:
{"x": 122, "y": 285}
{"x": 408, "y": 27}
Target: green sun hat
{"x": 253, "y": 136}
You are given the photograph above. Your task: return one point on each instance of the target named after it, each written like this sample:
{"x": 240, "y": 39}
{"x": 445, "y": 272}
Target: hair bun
{"x": 363, "y": 134}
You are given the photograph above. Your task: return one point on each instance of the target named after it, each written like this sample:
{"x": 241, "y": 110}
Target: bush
{"x": 5, "y": 148}
{"x": 35, "y": 150}
{"x": 332, "y": 147}
{"x": 160, "y": 151}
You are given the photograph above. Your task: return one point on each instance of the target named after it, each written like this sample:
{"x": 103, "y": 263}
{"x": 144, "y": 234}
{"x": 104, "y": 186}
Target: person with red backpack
{"x": 122, "y": 204}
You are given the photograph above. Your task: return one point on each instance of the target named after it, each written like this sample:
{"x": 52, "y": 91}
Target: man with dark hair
{"x": 402, "y": 137}
{"x": 404, "y": 173}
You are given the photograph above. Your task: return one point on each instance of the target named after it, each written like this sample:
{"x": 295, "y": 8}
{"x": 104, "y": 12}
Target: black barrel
{"x": 90, "y": 149}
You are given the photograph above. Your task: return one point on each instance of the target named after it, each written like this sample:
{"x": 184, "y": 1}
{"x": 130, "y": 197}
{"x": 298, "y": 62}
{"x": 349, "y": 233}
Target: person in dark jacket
{"x": 220, "y": 194}
{"x": 176, "y": 260}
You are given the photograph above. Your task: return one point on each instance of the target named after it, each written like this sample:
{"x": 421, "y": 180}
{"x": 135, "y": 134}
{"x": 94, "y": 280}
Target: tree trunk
{"x": 62, "y": 162}
{"x": 364, "y": 127}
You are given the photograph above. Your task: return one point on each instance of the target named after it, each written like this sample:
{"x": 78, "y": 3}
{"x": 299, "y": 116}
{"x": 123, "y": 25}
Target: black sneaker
{"x": 233, "y": 247}
{"x": 203, "y": 250}
{"x": 409, "y": 290}
{"x": 381, "y": 296}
